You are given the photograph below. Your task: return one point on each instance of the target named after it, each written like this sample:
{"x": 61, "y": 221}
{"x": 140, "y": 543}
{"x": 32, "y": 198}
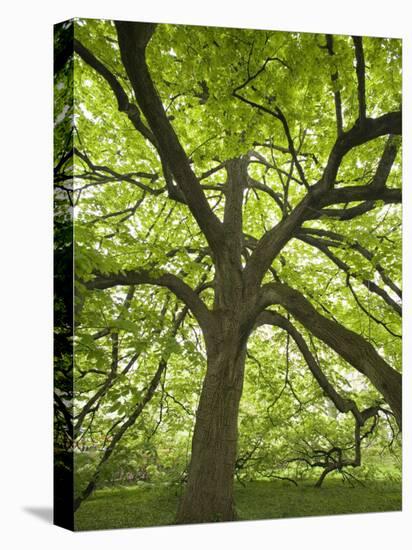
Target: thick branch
{"x": 360, "y": 74}
{"x": 385, "y": 164}
{"x": 343, "y": 405}
{"x": 138, "y": 277}
{"x": 323, "y": 194}
{"x": 360, "y": 133}
{"x": 132, "y": 112}
{"x": 133, "y": 39}
{"x": 237, "y": 179}
{"x": 351, "y": 346}
{"x": 361, "y": 193}
{"x": 122, "y": 100}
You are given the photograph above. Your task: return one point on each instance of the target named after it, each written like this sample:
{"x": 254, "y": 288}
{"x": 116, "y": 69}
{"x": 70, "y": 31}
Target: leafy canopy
{"x": 213, "y": 84}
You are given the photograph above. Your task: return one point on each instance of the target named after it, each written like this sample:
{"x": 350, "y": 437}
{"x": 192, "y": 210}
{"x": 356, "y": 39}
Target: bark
{"x": 133, "y": 39}
{"x": 351, "y": 346}
{"x": 360, "y": 74}
{"x": 209, "y": 493}
{"x": 141, "y": 276}
{"x": 323, "y": 193}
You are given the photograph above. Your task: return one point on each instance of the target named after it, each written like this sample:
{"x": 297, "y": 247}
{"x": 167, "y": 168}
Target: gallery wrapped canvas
{"x": 227, "y": 274}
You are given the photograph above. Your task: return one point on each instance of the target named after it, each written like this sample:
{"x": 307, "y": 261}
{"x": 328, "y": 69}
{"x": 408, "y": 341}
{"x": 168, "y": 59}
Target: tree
{"x": 253, "y": 178}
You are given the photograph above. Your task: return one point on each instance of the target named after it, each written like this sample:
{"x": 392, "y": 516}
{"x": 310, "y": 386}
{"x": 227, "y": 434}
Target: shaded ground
{"x": 147, "y": 505}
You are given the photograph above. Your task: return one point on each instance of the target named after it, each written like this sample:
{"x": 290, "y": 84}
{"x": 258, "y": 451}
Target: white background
{"x": 26, "y": 273}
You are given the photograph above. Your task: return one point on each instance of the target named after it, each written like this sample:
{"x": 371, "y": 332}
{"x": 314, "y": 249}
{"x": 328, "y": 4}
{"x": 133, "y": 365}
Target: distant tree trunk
{"x": 209, "y": 493}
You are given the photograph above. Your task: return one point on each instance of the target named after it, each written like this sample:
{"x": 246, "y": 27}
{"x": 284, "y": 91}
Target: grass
{"x": 149, "y": 504}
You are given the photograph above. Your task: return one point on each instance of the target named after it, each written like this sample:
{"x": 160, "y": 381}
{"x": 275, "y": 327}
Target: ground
{"x": 149, "y": 504}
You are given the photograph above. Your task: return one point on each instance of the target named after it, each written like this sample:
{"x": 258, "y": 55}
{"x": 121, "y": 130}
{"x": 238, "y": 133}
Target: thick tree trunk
{"x": 209, "y": 493}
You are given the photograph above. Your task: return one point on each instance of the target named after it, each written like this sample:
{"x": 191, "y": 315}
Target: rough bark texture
{"x": 209, "y": 493}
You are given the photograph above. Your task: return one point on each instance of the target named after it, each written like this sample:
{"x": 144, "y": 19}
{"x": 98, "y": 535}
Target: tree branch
{"x": 370, "y": 285}
{"x": 138, "y": 277}
{"x": 336, "y": 92}
{"x": 123, "y": 103}
{"x": 360, "y": 133}
{"x": 349, "y": 345}
{"x": 322, "y": 194}
{"x": 360, "y": 74}
{"x": 368, "y": 313}
{"x": 130, "y": 421}
{"x": 237, "y": 179}
{"x": 268, "y": 317}
{"x": 331, "y": 459}
{"x": 337, "y": 239}
{"x": 133, "y": 39}
{"x": 386, "y": 162}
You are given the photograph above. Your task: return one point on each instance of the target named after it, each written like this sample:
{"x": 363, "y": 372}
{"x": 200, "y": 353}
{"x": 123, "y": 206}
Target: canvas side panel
{"x": 63, "y": 275}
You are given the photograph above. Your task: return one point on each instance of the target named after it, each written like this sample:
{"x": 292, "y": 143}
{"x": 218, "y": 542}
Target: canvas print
{"x": 227, "y": 274}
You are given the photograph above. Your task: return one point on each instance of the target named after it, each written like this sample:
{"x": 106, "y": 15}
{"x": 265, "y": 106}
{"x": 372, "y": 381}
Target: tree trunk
{"x": 209, "y": 493}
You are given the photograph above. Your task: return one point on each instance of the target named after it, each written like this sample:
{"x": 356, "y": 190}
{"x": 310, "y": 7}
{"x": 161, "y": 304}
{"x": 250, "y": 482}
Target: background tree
{"x": 252, "y": 179}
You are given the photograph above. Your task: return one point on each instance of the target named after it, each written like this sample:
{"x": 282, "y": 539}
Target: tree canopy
{"x": 241, "y": 183}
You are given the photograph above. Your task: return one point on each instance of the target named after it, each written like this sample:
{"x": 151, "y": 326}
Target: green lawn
{"x": 147, "y": 505}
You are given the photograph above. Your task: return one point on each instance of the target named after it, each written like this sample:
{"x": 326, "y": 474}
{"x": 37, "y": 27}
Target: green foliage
{"x": 124, "y": 219}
